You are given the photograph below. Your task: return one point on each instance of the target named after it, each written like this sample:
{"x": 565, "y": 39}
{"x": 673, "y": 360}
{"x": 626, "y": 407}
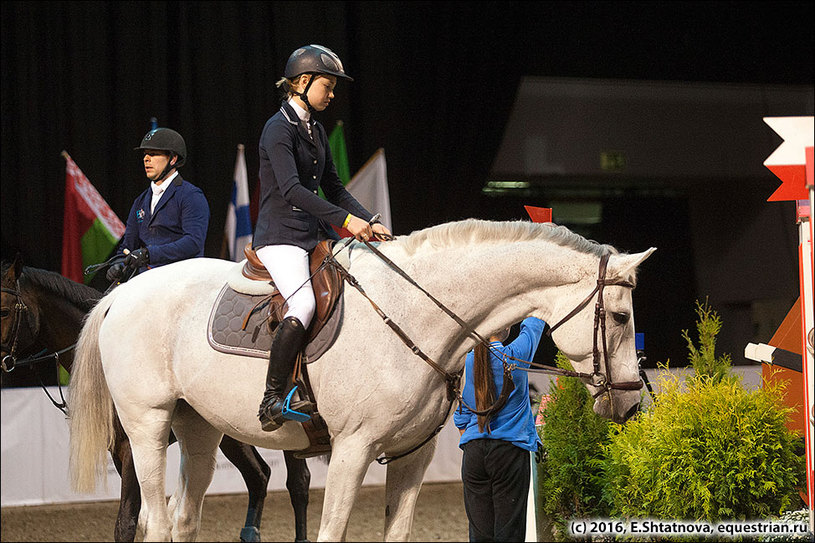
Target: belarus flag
{"x": 90, "y": 229}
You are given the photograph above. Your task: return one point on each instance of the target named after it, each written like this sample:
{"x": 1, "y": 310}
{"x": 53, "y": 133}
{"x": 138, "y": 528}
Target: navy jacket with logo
{"x": 176, "y": 230}
{"x": 292, "y": 168}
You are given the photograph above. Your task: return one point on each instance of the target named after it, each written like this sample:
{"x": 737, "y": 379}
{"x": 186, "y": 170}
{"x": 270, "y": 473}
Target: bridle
{"x": 9, "y": 362}
{"x": 453, "y": 380}
{"x": 603, "y": 381}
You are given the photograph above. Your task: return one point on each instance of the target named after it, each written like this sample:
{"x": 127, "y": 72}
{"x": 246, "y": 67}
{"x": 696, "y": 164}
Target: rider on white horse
{"x": 295, "y": 160}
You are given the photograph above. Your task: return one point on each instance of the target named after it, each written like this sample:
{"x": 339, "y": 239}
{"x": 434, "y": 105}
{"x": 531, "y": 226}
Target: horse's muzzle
{"x": 631, "y": 412}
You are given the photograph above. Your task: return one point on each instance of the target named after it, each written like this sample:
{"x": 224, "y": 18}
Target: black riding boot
{"x": 287, "y": 341}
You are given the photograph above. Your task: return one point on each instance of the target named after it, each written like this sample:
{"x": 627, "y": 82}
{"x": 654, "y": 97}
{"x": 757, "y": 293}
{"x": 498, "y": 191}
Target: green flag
{"x": 336, "y": 141}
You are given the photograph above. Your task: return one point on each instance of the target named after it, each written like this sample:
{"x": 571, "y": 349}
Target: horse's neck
{"x": 493, "y": 286}
{"x": 59, "y": 320}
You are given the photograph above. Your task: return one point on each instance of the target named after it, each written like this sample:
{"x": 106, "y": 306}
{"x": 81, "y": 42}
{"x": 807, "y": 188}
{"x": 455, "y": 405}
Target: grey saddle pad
{"x": 226, "y": 319}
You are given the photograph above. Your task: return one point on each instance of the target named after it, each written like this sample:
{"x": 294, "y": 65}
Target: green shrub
{"x": 570, "y": 483}
{"x": 703, "y": 358}
{"x": 706, "y": 451}
{"x": 712, "y": 452}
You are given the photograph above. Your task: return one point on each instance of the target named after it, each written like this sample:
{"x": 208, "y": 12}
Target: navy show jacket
{"x": 176, "y": 230}
{"x": 292, "y": 168}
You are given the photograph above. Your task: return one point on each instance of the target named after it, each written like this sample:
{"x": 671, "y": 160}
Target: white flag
{"x": 238, "y": 229}
{"x": 370, "y": 187}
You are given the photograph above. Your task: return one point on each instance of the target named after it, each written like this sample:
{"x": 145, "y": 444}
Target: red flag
{"x": 539, "y": 214}
{"x": 90, "y": 229}
{"x": 788, "y": 161}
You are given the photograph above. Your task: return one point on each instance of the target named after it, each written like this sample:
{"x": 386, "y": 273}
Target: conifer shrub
{"x": 703, "y": 358}
{"x": 570, "y": 483}
{"x": 708, "y": 450}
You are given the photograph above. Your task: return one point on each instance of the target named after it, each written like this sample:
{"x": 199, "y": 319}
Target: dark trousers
{"x": 496, "y": 475}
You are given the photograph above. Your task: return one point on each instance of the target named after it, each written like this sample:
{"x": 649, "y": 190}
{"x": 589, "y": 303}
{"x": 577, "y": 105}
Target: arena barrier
{"x": 34, "y": 457}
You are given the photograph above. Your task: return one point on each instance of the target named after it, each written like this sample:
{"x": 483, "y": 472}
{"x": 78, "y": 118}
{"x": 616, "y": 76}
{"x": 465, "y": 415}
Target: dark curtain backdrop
{"x": 434, "y": 84}
{"x": 87, "y": 78}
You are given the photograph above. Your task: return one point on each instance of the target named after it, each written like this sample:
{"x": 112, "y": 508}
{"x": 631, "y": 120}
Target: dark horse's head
{"x": 13, "y": 311}
{"x": 31, "y": 299}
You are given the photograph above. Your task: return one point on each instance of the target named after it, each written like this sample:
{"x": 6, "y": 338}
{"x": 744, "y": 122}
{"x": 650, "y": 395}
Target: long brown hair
{"x": 484, "y": 382}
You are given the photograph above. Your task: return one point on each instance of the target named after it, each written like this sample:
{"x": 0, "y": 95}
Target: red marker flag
{"x": 788, "y": 161}
{"x": 539, "y": 214}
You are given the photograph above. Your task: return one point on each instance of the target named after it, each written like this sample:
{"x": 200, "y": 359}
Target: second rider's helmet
{"x": 165, "y": 139}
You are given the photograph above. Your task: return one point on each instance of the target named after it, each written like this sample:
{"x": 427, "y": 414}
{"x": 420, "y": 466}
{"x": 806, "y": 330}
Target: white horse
{"x": 144, "y": 349}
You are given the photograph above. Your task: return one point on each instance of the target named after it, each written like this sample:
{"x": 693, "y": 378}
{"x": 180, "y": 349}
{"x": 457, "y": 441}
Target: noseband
{"x": 603, "y": 381}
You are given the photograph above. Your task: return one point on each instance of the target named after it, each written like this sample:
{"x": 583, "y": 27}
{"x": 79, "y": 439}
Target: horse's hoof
{"x": 302, "y": 541}
{"x": 250, "y": 533}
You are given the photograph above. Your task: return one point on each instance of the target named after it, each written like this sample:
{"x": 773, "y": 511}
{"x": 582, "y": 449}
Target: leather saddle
{"x": 326, "y": 282}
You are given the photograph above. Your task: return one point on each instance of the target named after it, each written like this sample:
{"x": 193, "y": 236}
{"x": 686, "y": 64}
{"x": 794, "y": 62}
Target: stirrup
{"x": 291, "y": 414}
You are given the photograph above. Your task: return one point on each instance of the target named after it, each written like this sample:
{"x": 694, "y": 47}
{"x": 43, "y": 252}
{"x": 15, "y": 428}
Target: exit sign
{"x": 612, "y": 161}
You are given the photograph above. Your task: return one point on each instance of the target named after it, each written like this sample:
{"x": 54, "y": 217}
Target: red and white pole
{"x": 792, "y": 162}
{"x": 808, "y": 339}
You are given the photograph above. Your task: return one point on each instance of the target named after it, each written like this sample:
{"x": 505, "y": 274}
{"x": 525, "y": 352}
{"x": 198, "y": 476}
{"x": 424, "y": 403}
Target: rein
{"x": 10, "y": 362}
{"x": 453, "y": 380}
{"x": 596, "y": 378}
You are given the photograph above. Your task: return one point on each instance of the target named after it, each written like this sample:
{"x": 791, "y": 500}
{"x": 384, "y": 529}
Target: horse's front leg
{"x": 350, "y": 458}
{"x": 255, "y": 472}
{"x": 130, "y": 495}
{"x": 402, "y": 485}
{"x": 298, "y": 480}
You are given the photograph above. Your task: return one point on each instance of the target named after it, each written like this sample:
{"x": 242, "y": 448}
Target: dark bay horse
{"x": 42, "y": 310}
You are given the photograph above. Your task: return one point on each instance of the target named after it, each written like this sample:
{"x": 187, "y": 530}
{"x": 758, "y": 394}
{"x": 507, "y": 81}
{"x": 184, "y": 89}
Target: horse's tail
{"x": 91, "y": 408}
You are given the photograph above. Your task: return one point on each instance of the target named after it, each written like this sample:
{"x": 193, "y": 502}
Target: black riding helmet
{"x": 314, "y": 59}
{"x": 165, "y": 139}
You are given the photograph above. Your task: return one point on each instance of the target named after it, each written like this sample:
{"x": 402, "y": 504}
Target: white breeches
{"x": 289, "y": 267}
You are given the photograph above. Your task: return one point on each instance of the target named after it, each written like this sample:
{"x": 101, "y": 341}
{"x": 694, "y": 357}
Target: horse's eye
{"x": 620, "y": 318}
{"x": 5, "y": 313}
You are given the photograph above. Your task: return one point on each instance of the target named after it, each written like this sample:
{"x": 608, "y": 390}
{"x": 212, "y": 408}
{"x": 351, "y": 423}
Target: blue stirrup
{"x": 291, "y": 414}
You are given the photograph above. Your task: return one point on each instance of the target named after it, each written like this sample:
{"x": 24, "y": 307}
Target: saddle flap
{"x": 326, "y": 282}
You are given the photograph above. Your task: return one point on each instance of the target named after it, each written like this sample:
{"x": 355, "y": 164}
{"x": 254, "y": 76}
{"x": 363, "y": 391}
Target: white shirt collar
{"x": 159, "y": 189}
{"x": 302, "y": 113}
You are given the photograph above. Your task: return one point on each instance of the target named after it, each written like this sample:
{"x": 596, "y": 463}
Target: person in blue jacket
{"x": 168, "y": 222}
{"x": 295, "y": 161}
{"x": 495, "y": 468}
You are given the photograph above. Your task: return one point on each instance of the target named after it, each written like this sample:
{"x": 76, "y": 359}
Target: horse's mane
{"x": 78, "y": 294}
{"x": 481, "y": 231}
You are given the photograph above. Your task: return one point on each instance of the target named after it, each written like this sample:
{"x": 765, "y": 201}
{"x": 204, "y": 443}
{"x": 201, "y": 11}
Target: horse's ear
{"x": 623, "y": 267}
{"x": 14, "y": 269}
{"x": 17, "y": 266}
